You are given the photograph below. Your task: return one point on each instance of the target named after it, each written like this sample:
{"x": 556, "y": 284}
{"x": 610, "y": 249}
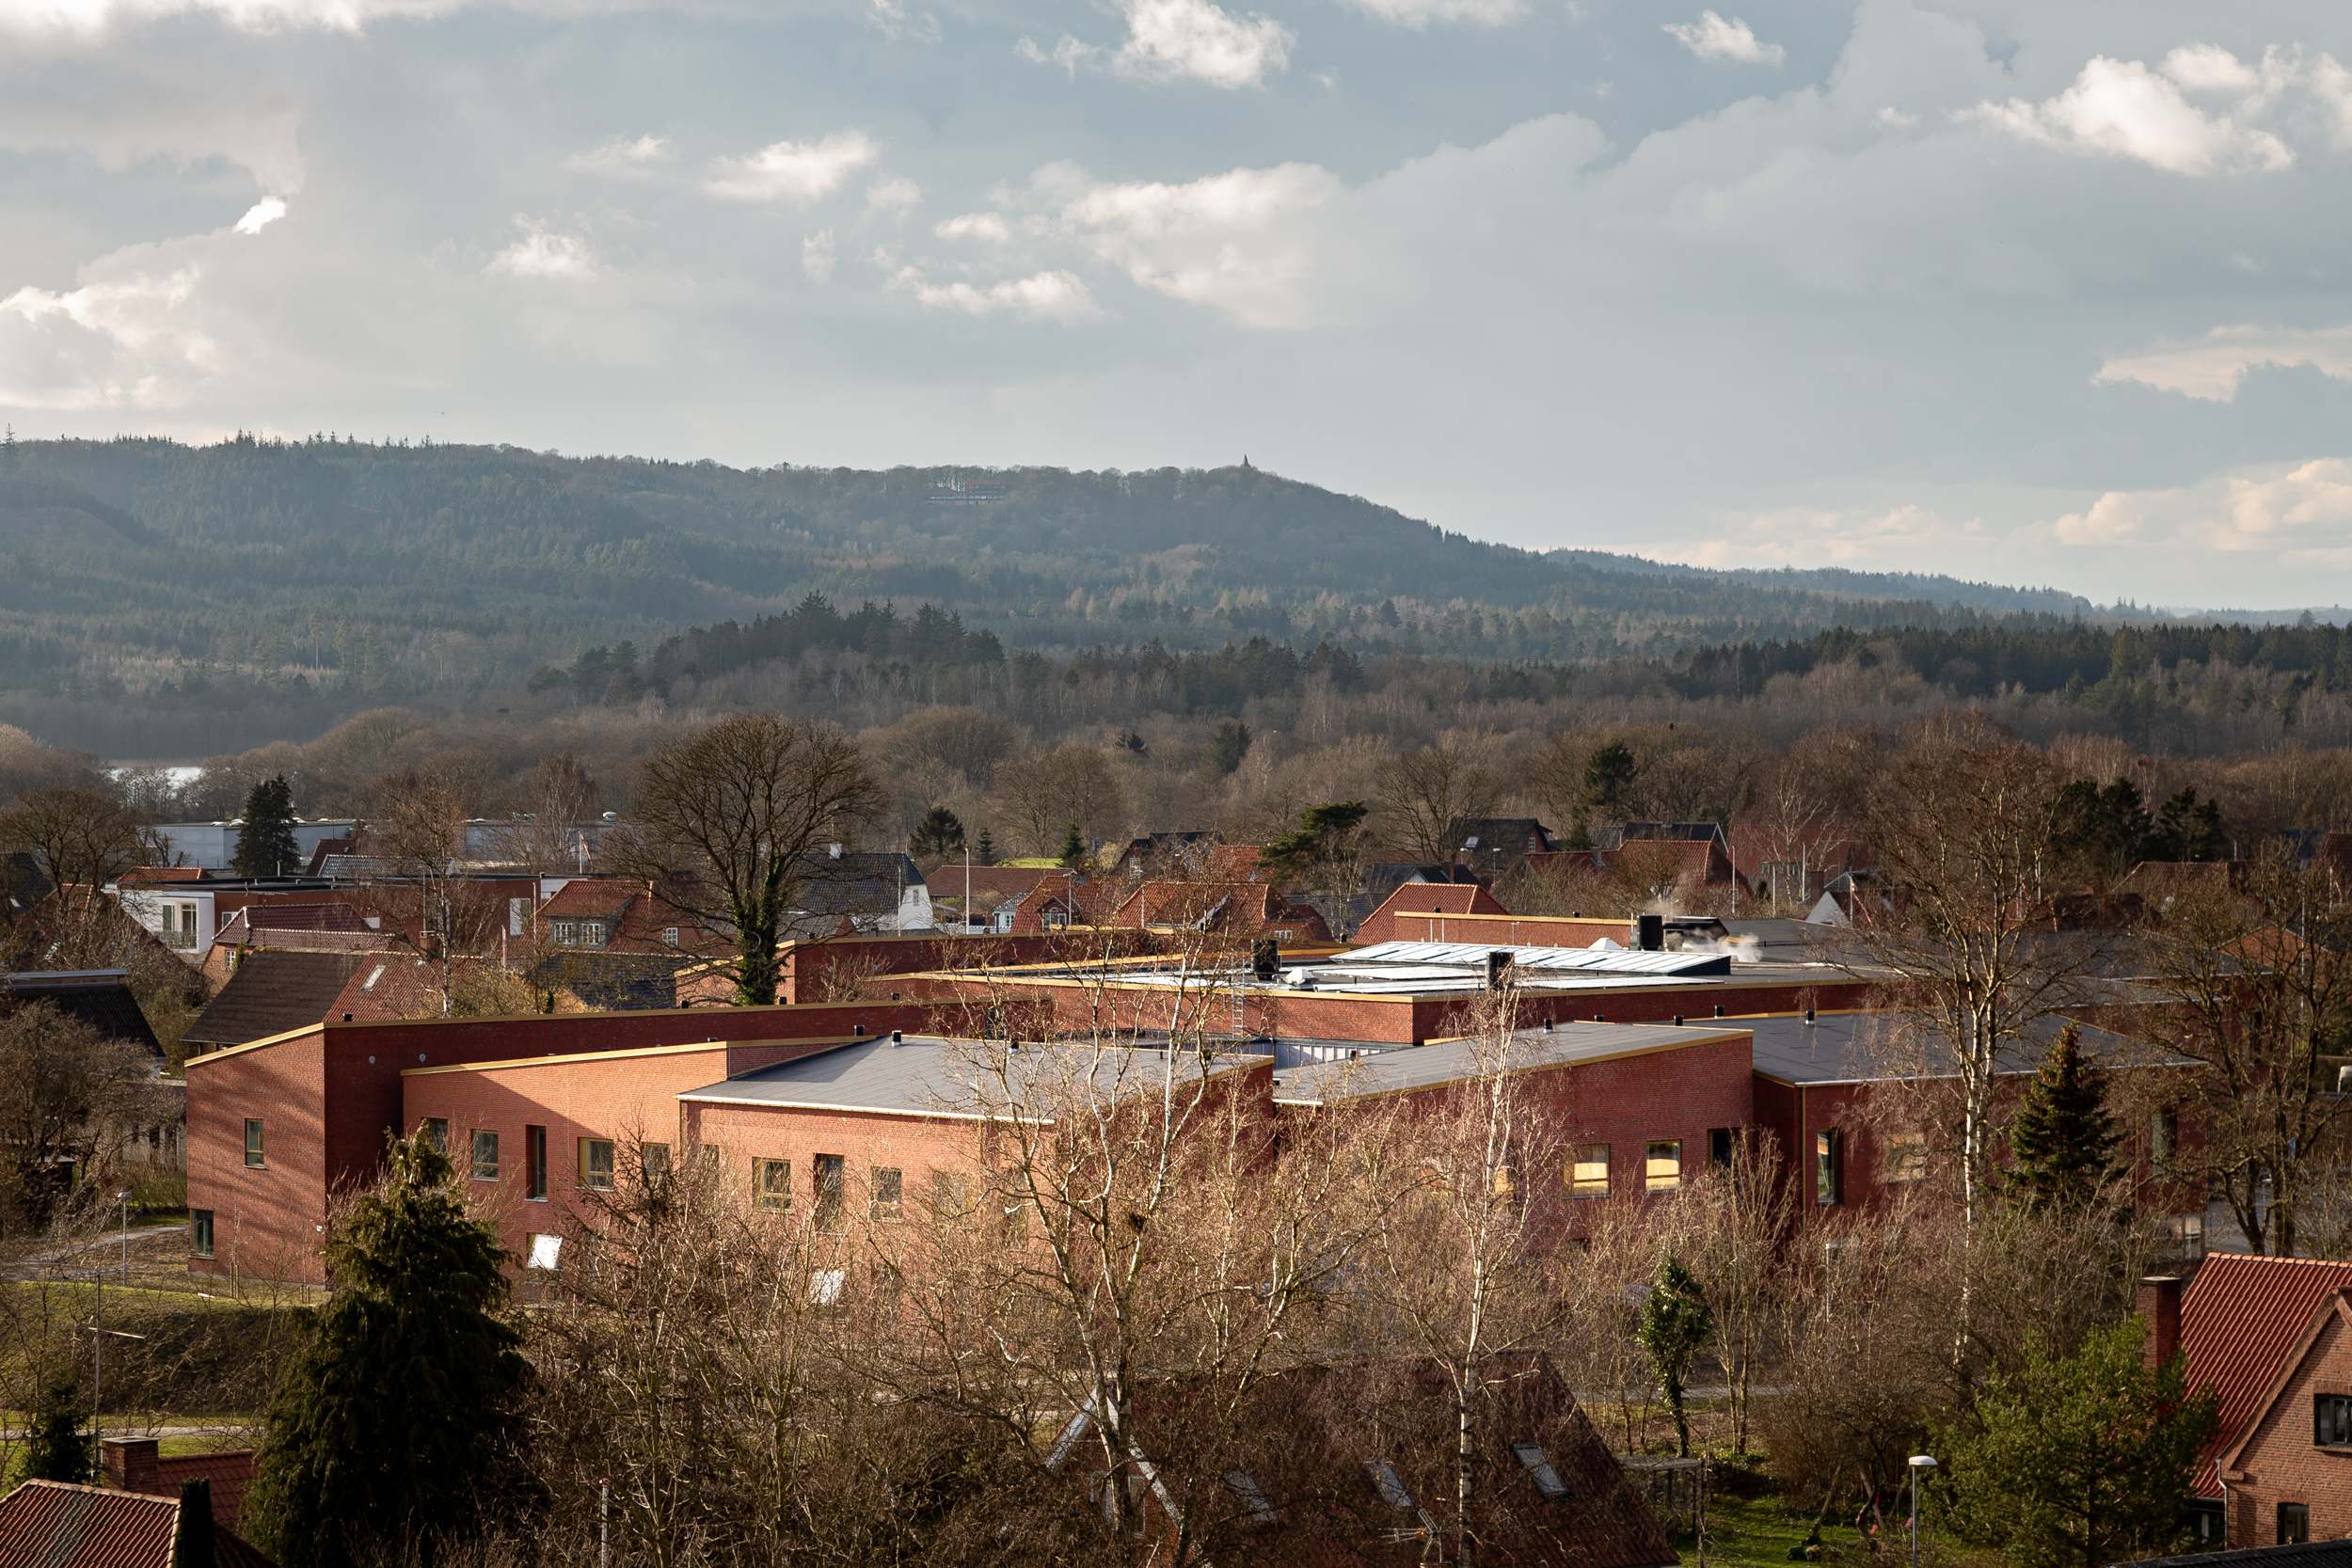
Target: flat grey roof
{"x": 1423, "y": 1066}
{"x": 1877, "y": 1047}
{"x": 932, "y": 1076}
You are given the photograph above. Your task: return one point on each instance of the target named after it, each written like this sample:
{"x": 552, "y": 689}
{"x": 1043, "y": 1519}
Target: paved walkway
{"x": 44, "y": 1257}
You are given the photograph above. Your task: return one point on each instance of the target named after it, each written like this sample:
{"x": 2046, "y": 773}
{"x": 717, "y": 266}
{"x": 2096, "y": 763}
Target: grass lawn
{"x": 1752, "y": 1532}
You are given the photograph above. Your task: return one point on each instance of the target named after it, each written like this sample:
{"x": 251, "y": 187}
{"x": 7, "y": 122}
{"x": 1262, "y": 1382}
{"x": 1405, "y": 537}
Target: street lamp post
{"x": 1919, "y": 1464}
{"x": 98, "y": 1343}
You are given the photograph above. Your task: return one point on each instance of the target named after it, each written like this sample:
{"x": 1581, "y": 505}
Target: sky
{"x": 2022, "y": 292}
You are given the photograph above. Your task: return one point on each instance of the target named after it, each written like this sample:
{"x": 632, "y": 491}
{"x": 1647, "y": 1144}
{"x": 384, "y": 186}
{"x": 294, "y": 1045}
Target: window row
{"x": 483, "y": 1157}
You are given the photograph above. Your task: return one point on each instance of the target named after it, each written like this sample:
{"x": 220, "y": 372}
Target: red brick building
{"x": 2267, "y": 1334}
{"x": 280, "y": 1126}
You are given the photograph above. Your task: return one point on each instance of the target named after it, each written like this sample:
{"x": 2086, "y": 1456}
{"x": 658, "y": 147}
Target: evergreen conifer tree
{"x": 192, "y": 1543}
{"x": 983, "y": 850}
{"x": 938, "y": 837}
{"x": 1676, "y": 1321}
{"x": 2063, "y": 1137}
{"x": 398, "y": 1421}
{"x": 266, "y": 847}
{"x": 58, "y": 1446}
{"x": 1074, "y": 849}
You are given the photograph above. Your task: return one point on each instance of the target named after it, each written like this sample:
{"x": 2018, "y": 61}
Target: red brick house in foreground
{"x": 2268, "y": 1337}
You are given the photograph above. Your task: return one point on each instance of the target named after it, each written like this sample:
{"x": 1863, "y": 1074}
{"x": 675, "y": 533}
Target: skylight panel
{"x": 1539, "y": 1470}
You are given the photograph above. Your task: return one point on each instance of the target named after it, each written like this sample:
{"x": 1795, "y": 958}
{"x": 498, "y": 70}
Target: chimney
{"x": 1266, "y": 959}
{"x": 131, "y": 1465}
{"x": 1498, "y": 969}
{"x": 1649, "y": 932}
{"x": 834, "y": 849}
{"x": 2160, "y": 1304}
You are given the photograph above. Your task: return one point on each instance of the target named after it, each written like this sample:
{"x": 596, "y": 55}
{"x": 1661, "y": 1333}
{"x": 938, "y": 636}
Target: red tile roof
{"x": 48, "y": 1524}
{"x": 2239, "y": 1318}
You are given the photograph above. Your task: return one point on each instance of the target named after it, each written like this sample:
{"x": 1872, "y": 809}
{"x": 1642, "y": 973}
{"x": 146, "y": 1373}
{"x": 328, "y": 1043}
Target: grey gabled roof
{"x": 867, "y": 882}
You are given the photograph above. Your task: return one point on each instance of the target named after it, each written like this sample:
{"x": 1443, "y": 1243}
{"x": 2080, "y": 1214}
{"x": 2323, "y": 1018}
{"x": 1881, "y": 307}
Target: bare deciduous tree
{"x": 1041, "y": 796}
{"x": 1961, "y": 823}
{"x": 1423, "y": 793}
{"x": 734, "y": 821}
{"x": 2261, "y": 994}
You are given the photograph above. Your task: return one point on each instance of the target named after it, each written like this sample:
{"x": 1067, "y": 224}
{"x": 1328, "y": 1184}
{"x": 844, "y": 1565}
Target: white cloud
{"x": 260, "y": 216}
{"x": 2212, "y": 367}
{"x": 1225, "y": 241}
{"x": 544, "y": 253}
{"x": 119, "y": 343}
{"x": 1061, "y": 297}
{"x": 623, "y": 157}
{"x": 2209, "y": 68}
{"x": 817, "y": 257}
{"x": 2121, "y": 110}
{"x": 892, "y": 19}
{"x": 893, "y": 195}
{"x": 1199, "y": 39}
{"x": 1862, "y": 539}
{"x": 1417, "y": 14}
{"x": 794, "y": 171}
{"x": 97, "y": 16}
{"x": 988, "y": 228}
{"x": 2297, "y": 515}
{"x": 1069, "y": 54}
{"x": 1711, "y": 37}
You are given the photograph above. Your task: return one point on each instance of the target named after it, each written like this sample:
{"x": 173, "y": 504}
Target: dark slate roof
{"x": 612, "y": 982}
{"x": 867, "y": 883}
{"x": 99, "y": 997}
{"x": 274, "y": 990}
{"x": 2307, "y": 1554}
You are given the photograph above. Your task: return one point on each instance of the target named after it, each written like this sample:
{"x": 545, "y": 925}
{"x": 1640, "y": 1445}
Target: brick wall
{"x": 628, "y": 1097}
{"x": 2279, "y": 1463}
{"x": 328, "y": 1096}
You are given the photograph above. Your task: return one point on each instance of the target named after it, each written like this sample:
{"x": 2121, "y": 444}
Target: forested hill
{"x": 410, "y": 568}
{"x": 160, "y": 599}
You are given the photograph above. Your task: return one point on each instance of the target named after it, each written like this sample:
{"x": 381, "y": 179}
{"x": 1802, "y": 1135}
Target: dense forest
{"x": 172, "y": 602}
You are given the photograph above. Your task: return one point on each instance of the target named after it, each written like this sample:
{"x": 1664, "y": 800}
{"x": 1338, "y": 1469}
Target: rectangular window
{"x": 2295, "y": 1523}
{"x": 1827, "y": 1167}
{"x": 1588, "y": 1171}
{"x": 828, "y": 1289}
{"x": 1256, "y": 1507}
{"x": 772, "y": 1184}
{"x": 1720, "y": 1143}
{"x": 2164, "y": 1132}
{"x": 485, "y": 1155}
{"x": 2331, "y": 1420}
{"x": 546, "y": 1252}
{"x": 887, "y": 1185}
{"x": 1906, "y": 1158}
{"x": 951, "y": 1199}
{"x": 833, "y": 1204}
{"x": 201, "y": 1232}
{"x": 596, "y": 1163}
{"x": 435, "y": 1130}
{"x": 535, "y": 1160}
{"x": 1506, "y": 1179}
{"x": 656, "y": 1159}
{"x": 253, "y": 1143}
{"x": 1661, "y": 1167}
{"x": 2186, "y": 1234}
